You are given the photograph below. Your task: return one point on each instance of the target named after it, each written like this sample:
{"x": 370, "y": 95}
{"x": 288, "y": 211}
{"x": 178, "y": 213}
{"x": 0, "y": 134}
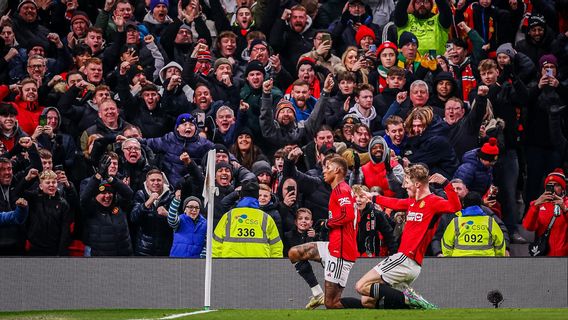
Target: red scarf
{"x": 467, "y": 78}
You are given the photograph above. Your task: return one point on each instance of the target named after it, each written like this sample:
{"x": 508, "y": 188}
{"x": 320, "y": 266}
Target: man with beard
{"x": 430, "y": 29}
{"x": 28, "y": 106}
{"x": 357, "y": 153}
{"x": 302, "y": 100}
{"x": 49, "y": 221}
{"x": 381, "y": 171}
{"x": 291, "y": 35}
{"x": 244, "y": 22}
{"x": 445, "y": 87}
{"x": 538, "y": 40}
{"x": 280, "y": 127}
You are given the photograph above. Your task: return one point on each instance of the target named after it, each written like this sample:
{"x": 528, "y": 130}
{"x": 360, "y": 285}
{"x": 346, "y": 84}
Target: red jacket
{"x": 538, "y": 218}
{"x": 28, "y": 115}
{"x": 375, "y": 174}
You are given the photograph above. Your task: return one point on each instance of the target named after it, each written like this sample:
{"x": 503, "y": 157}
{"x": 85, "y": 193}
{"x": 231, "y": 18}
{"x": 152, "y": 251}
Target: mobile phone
{"x": 549, "y": 72}
{"x": 290, "y": 189}
{"x": 373, "y": 47}
{"x": 58, "y": 168}
{"x": 549, "y": 188}
{"x": 325, "y": 37}
{"x": 432, "y": 53}
{"x": 43, "y": 120}
{"x": 200, "y": 119}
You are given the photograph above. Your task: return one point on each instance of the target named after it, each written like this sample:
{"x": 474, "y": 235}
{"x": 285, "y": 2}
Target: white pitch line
{"x": 175, "y": 316}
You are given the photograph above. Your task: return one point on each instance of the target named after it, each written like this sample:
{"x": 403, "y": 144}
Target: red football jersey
{"x": 343, "y": 221}
{"x": 421, "y": 219}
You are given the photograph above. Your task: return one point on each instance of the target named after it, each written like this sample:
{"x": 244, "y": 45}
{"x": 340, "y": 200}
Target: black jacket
{"x": 371, "y": 224}
{"x": 106, "y": 228}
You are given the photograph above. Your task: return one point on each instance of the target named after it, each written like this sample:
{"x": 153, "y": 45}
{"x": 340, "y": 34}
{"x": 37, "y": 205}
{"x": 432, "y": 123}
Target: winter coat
{"x": 10, "y": 141}
{"x": 464, "y": 134}
{"x": 219, "y": 90}
{"x": 153, "y": 123}
{"x": 106, "y": 228}
{"x": 536, "y": 50}
{"x": 253, "y": 98}
{"x": 153, "y": 234}
{"x": 28, "y": 115}
{"x": 315, "y": 192}
{"x": 189, "y": 234}
{"x": 540, "y": 101}
{"x": 12, "y": 237}
{"x": 173, "y": 145}
{"x": 30, "y": 32}
{"x": 473, "y": 173}
{"x": 369, "y": 243}
{"x": 62, "y": 146}
{"x": 433, "y": 149}
{"x": 293, "y": 238}
{"x": 49, "y": 222}
{"x": 294, "y": 133}
{"x": 82, "y": 114}
{"x": 289, "y": 43}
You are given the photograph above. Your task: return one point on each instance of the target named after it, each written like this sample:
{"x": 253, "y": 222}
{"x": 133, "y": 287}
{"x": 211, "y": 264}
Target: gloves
{"x": 356, "y": 161}
{"x": 321, "y": 225}
{"x": 388, "y": 167}
{"x": 102, "y": 169}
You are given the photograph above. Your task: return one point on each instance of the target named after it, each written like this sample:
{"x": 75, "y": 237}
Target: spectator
{"x": 303, "y": 231}
{"x": 28, "y": 106}
{"x": 190, "y": 228}
{"x": 538, "y": 39}
{"x": 394, "y": 134}
{"x": 302, "y": 99}
{"x": 13, "y": 237}
{"x": 476, "y": 170}
{"x": 245, "y": 150}
{"x": 321, "y": 52}
{"x": 17, "y": 216}
{"x": 11, "y": 132}
{"x": 552, "y": 203}
{"x": 149, "y": 216}
{"x": 387, "y": 53}
{"x": 27, "y": 27}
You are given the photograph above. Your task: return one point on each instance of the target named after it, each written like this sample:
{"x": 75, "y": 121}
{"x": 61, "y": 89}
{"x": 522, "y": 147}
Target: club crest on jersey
{"x": 422, "y": 204}
{"x": 344, "y": 201}
{"x": 414, "y": 216}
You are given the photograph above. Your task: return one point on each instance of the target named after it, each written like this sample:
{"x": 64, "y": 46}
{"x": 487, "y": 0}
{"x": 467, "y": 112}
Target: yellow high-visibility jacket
{"x": 473, "y": 234}
{"x": 246, "y": 233}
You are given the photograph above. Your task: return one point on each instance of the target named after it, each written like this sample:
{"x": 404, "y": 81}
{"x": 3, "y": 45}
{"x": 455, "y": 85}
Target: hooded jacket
{"x": 536, "y": 50}
{"x": 62, "y": 146}
{"x": 153, "y": 234}
{"x": 28, "y": 114}
{"x": 289, "y": 43}
{"x": 374, "y": 173}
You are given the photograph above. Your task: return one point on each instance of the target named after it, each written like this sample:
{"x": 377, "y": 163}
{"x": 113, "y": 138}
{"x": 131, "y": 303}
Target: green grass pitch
{"x": 464, "y": 314}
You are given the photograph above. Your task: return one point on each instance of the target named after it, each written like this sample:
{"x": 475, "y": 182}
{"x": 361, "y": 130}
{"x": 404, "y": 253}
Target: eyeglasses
{"x": 36, "y": 66}
{"x": 259, "y": 49}
{"x": 130, "y": 149}
{"x": 192, "y": 207}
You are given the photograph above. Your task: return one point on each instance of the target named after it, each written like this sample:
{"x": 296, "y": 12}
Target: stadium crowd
{"x": 108, "y": 109}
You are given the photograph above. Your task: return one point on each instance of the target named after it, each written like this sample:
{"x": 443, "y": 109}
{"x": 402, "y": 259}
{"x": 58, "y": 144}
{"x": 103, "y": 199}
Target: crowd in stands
{"x": 108, "y": 109}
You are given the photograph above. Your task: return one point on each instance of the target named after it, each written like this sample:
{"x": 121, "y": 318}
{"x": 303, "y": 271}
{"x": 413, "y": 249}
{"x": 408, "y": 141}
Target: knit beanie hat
{"x": 258, "y": 41}
{"x": 385, "y": 45}
{"x": 204, "y": 55}
{"x": 185, "y": 117}
{"x": 363, "y": 32}
{"x": 192, "y": 198}
{"x": 249, "y": 188}
{"x": 221, "y": 61}
{"x": 104, "y": 186}
{"x": 154, "y": 3}
{"x": 546, "y": 59}
{"x": 556, "y": 176}
{"x": 282, "y": 105}
{"x": 254, "y": 65}
{"x": 489, "y": 151}
{"x": 507, "y": 48}
{"x": 406, "y": 38}
{"x": 305, "y": 60}
{"x": 80, "y": 15}
{"x": 223, "y": 164}
{"x": 24, "y": 2}
{"x": 537, "y": 20}
{"x": 261, "y": 166}
{"x": 219, "y": 148}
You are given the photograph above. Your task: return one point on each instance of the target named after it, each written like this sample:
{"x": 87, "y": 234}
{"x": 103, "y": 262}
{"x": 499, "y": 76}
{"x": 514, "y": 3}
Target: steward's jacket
{"x": 247, "y": 232}
{"x": 472, "y": 233}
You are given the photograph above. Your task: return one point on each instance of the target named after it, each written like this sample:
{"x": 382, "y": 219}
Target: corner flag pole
{"x": 209, "y": 192}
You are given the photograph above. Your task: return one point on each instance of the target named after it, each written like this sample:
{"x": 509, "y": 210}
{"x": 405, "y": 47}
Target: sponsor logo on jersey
{"x": 414, "y": 216}
{"x": 344, "y": 201}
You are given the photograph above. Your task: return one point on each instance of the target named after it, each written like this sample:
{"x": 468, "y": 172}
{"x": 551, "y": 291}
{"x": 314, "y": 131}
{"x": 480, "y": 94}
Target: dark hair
{"x": 346, "y": 75}
{"x": 153, "y": 171}
{"x": 396, "y": 71}
{"x": 81, "y": 49}
{"x": 472, "y": 198}
{"x": 7, "y": 109}
{"x": 339, "y": 161}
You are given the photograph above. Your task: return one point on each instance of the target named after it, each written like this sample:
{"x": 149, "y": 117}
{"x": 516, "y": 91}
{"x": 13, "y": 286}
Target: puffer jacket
{"x": 173, "y": 145}
{"x": 106, "y": 228}
{"x": 433, "y": 149}
{"x": 189, "y": 234}
{"x": 153, "y": 234}
{"x": 473, "y": 173}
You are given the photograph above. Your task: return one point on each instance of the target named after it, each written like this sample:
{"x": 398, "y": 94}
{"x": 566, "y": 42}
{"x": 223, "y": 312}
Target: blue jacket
{"x": 189, "y": 238}
{"x": 173, "y": 145}
{"x": 473, "y": 173}
{"x": 17, "y": 216}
